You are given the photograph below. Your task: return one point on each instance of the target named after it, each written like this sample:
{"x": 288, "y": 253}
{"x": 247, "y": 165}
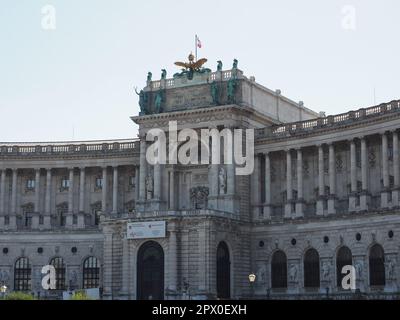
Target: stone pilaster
{"x": 396, "y": 170}
{"x": 353, "y": 177}
{"x": 13, "y": 215}
{"x": 300, "y": 196}
{"x": 267, "y": 205}
{"x": 385, "y": 172}
{"x": 115, "y": 191}
{"x": 365, "y": 196}
{"x": 289, "y": 186}
{"x": 35, "y": 217}
{"x": 321, "y": 183}
{"x": 47, "y": 200}
{"x": 142, "y": 174}
{"x": 69, "y": 219}
{"x": 104, "y": 191}
{"x": 172, "y": 265}
{"x": 2, "y": 197}
{"x": 255, "y": 188}
{"x": 81, "y": 214}
{"x": 332, "y": 180}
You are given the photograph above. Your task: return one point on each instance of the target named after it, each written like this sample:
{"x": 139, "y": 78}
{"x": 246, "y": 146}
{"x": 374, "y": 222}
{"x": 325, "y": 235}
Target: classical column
{"x": 289, "y": 192}
{"x": 300, "y": 196}
{"x": 364, "y": 198}
{"x": 321, "y": 183}
{"x": 143, "y": 170}
{"x": 332, "y": 180}
{"x": 115, "y": 190}
{"x": 255, "y": 187}
{"x": 267, "y": 205}
{"x": 35, "y": 218}
{"x": 104, "y": 192}
{"x": 396, "y": 170}
{"x": 13, "y": 215}
{"x": 2, "y": 197}
{"x": 81, "y": 214}
{"x": 353, "y": 176}
{"x": 69, "y": 220}
{"x": 47, "y": 206}
{"x": 230, "y": 175}
{"x": 172, "y": 189}
{"x": 157, "y": 182}
{"x": 385, "y": 172}
{"x": 137, "y": 183}
{"x": 172, "y": 263}
{"x": 126, "y": 257}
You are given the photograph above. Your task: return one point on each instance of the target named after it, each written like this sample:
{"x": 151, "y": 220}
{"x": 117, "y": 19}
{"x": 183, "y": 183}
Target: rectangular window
{"x": 99, "y": 183}
{"x": 64, "y": 183}
{"x": 30, "y": 184}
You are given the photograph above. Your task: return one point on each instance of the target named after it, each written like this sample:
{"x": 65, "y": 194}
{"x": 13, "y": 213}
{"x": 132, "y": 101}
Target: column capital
{"x": 71, "y": 168}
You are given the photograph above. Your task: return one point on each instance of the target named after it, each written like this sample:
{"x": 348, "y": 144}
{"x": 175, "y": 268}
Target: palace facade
{"x": 324, "y": 194}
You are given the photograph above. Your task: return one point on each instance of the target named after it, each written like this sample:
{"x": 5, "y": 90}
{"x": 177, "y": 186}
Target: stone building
{"x": 324, "y": 194}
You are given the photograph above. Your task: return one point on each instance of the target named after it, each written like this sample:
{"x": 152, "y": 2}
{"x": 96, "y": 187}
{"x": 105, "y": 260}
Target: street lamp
{"x": 252, "y": 279}
{"x": 3, "y": 290}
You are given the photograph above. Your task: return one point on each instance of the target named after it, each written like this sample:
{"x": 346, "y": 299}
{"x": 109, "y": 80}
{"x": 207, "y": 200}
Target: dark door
{"x": 150, "y": 272}
{"x": 223, "y": 272}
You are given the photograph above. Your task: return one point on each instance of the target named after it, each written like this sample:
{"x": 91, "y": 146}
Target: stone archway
{"x": 150, "y": 272}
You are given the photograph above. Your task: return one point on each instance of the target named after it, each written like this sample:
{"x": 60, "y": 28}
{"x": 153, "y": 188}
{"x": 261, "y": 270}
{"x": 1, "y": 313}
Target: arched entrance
{"x": 223, "y": 272}
{"x": 150, "y": 272}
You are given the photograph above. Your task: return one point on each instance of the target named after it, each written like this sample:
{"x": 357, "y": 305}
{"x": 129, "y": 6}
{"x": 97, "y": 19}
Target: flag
{"x": 198, "y": 42}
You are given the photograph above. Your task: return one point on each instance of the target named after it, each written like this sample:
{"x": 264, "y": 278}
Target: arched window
{"x": 91, "y": 273}
{"x": 223, "y": 271}
{"x": 22, "y": 275}
{"x": 343, "y": 258}
{"x": 279, "y": 270}
{"x": 376, "y": 266}
{"x": 59, "y": 266}
{"x": 311, "y": 269}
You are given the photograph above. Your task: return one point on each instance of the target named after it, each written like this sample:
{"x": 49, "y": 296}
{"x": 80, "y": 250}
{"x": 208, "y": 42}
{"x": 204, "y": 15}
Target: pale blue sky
{"x": 80, "y": 77}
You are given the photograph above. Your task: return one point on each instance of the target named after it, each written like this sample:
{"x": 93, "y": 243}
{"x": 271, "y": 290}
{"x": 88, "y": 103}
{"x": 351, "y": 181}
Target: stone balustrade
{"x": 61, "y": 148}
{"x": 293, "y": 128}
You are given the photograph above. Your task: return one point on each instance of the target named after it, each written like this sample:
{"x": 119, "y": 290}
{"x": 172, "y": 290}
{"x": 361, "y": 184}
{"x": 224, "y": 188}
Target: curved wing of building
{"x": 306, "y": 203}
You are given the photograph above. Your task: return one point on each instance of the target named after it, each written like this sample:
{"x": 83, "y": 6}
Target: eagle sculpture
{"x": 192, "y": 65}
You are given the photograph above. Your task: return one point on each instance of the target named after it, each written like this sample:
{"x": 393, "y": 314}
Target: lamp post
{"x": 252, "y": 279}
{"x": 3, "y": 290}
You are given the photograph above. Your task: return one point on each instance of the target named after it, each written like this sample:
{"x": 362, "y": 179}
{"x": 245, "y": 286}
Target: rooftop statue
{"x": 219, "y": 65}
{"x": 191, "y": 67}
{"x": 163, "y": 74}
{"x": 159, "y": 101}
{"x": 143, "y": 99}
{"x": 149, "y": 76}
{"x": 235, "y": 64}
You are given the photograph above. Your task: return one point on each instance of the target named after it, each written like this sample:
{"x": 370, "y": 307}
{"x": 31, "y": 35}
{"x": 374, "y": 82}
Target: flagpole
{"x": 195, "y": 46}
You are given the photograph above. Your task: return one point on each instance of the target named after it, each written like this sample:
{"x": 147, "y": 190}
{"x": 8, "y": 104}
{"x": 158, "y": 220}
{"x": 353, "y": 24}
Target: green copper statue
{"x": 215, "y": 92}
{"x": 149, "y": 76}
{"x": 219, "y": 65}
{"x": 235, "y": 64}
{"x": 158, "y": 101}
{"x": 142, "y": 101}
{"x": 231, "y": 90}
{"x": 163, "y": 74}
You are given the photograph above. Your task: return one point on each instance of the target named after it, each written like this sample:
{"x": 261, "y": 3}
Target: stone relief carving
{"x": 73, "y": 277}
{"x": 149, "y": 186}
{"x": 371, "y": 158}
{"x": 222, "y": 180}
{"x": 339, "y": 163}
{"x": 262, "y": 273}
{"x": 293, "y": 273}
{"x": 198, "y": 197}
{"x": 391, "y": 268}
{"x": 4, "y": 277}
{"x": 326, "y": 270}
{"x": 359, "y": 266}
